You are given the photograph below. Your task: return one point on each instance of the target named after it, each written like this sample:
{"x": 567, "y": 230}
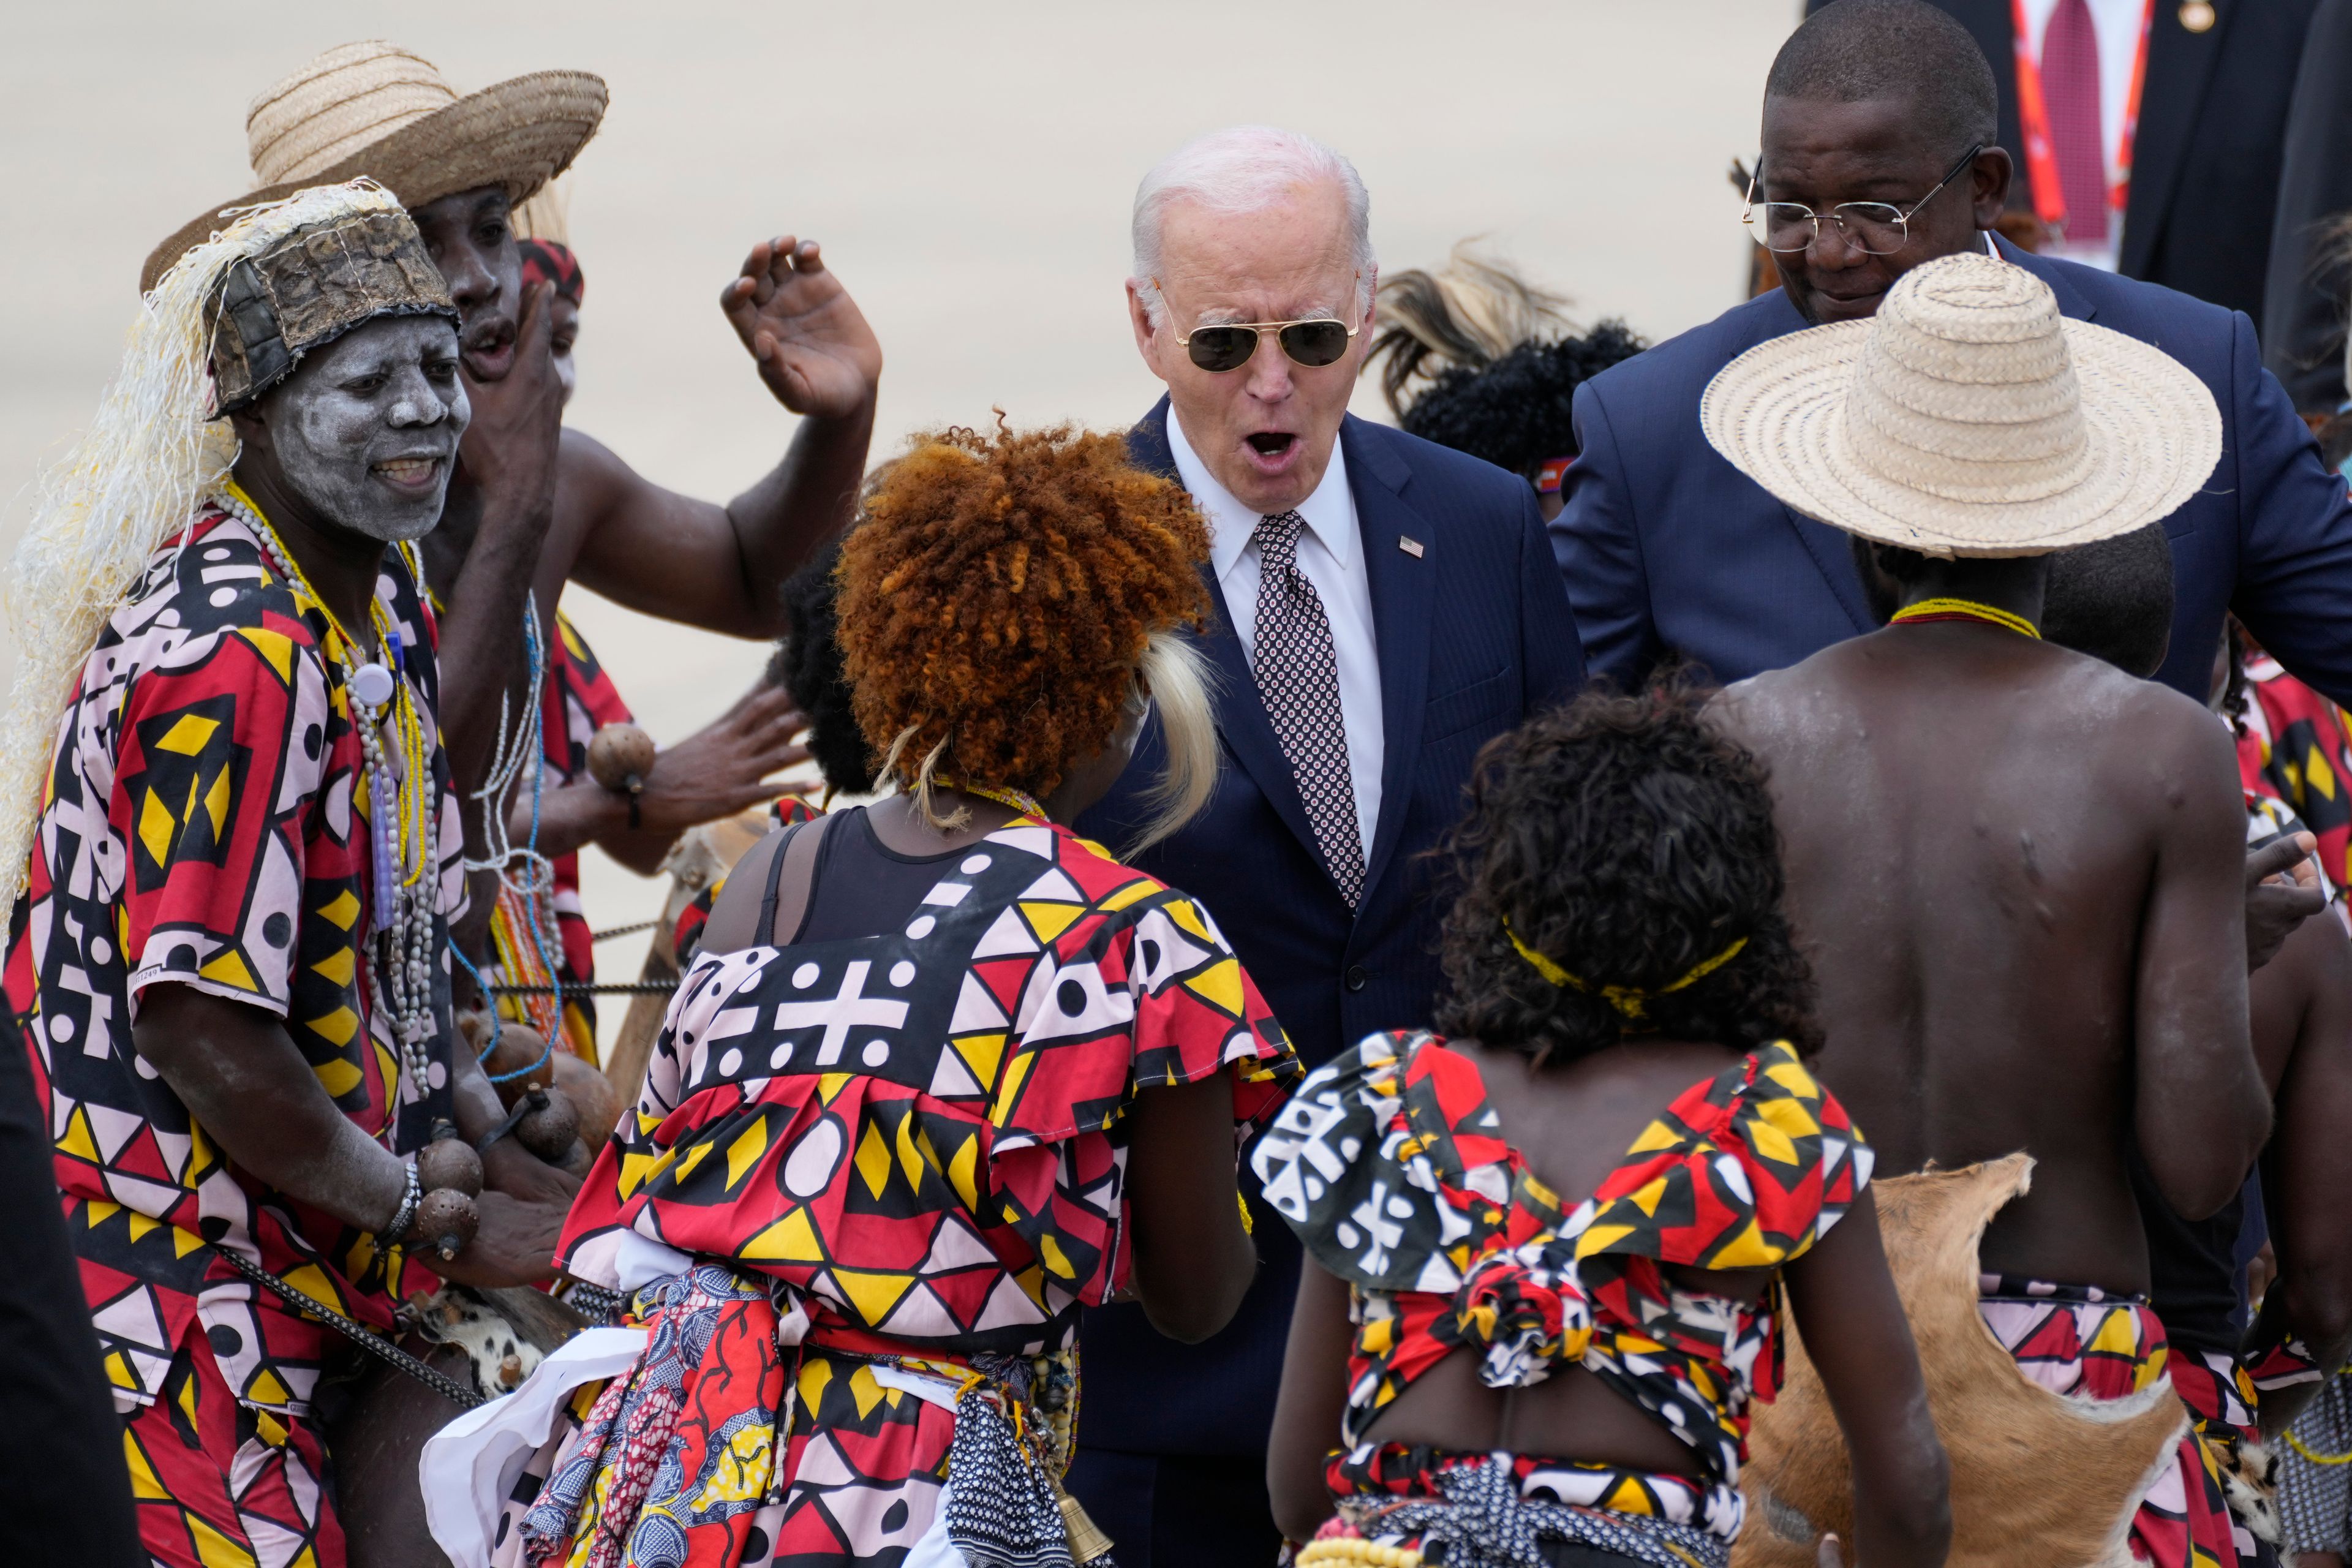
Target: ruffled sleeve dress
{"x": 1392, "y": 1167}
{"x": 866, "y": 1188}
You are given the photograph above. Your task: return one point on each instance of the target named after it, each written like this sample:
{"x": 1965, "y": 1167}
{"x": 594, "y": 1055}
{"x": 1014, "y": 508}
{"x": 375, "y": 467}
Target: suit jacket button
{"x": 1356, "y": 977}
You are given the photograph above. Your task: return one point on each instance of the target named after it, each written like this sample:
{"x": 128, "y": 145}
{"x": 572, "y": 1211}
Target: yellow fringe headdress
{"x": 151, "y": 454}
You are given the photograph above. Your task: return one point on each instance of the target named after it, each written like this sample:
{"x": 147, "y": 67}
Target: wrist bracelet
{"x": 404, "y": 1216}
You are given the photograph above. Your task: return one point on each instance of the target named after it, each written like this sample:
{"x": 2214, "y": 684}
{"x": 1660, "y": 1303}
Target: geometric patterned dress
{"x": 205, "y": 827}
{"x": 867, "y": 1180}
{"x": 1391, "y": 1166}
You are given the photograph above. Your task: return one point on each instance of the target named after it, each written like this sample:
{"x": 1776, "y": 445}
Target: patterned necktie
{"x": 2070, "y": 87}
{"x": 1298, "y": 680}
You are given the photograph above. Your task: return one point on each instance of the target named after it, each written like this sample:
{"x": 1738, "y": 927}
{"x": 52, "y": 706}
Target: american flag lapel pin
{"x": 1410, "y": 545}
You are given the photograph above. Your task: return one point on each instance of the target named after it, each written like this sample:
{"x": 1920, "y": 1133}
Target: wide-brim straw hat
{"x": 1968, "y": 417}
{"x": 374, "y": 109}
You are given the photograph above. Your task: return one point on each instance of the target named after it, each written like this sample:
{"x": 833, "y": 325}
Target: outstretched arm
{"x": 240, "y": 1075}
{"x": 507, "y": 499}
{"x": 1844, "y": 1300}
{"x": 2200, "y": 1109}
{"x": 721, "y": 567}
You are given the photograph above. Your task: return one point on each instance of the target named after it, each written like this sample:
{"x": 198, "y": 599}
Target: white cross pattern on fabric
{"x": 1298, "y": 675}
{"x": 851, "y": 1009}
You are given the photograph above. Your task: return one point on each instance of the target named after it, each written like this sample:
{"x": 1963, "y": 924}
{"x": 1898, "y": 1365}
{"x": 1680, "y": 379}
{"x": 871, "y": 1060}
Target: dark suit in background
{"x": 2311, "y": 265}
{"x": 1473, "y": 634}
{"x": 2212, "y": 134}
{"x": 1667, "y": 550}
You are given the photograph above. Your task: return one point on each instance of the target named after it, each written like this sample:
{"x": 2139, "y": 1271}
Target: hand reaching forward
{"x": 804, "y": 330}
{"x": 718, "y": 771}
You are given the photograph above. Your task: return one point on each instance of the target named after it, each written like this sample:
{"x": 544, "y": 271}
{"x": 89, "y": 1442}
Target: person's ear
{"x": 1146, "y": 339}
{"x": 1990, "y": 178}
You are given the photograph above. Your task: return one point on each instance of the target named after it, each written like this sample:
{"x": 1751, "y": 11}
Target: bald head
{"x": 1904, "y": 50}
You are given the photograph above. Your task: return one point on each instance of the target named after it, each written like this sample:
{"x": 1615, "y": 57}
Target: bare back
{"x": 2018, "y": 873}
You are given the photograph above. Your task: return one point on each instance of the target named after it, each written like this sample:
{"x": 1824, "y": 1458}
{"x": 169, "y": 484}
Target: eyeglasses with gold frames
{"x": 1876, "y": 228}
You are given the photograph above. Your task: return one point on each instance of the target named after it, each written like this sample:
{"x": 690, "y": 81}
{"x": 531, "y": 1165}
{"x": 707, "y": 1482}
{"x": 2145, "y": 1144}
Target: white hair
{"x": 1240, "y": 170}
{"x": 151, "y": 454}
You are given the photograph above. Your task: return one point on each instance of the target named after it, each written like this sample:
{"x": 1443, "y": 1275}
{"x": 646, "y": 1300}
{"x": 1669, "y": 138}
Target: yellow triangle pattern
{"x": 215, "y": 1550}
{"x": 342, "y": 909}
{"x": 336, "y": 1028}
{"x": 1220, "y": 983}
{"x": 78, "y": 1143}
{"x": 337, "y": 967}
{"x": 1050, "y": 920}
{"x": 873, "y": 1292}
{"x": 274, "y": 646}
{"x": 792, "y": 1239}
{"x": 229, "y": 970}
{"x": 145, "y": 1486}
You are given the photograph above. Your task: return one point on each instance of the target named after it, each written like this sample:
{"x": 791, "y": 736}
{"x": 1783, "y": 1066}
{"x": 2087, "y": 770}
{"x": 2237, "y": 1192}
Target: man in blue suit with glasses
{"x": 1385, "y": 607}
{"x": 1878, "y": 153}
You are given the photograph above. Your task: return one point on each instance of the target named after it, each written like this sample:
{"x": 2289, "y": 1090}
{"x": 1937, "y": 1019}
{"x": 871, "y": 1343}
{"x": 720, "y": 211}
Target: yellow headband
{"x": 1630, "y": 1001}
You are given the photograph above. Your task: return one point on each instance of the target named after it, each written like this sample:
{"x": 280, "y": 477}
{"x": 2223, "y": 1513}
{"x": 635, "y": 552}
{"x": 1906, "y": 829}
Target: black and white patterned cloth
{"x": 1484, "y": 1522}
{"x": 1001, "y": 1511}
{"x": 1297, "y": 674}
{"x": 2315, "y": 1499}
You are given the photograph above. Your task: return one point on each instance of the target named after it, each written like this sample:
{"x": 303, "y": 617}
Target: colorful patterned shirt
{"x": 1392, "y": 1167}
{"x": 207, "y": 827}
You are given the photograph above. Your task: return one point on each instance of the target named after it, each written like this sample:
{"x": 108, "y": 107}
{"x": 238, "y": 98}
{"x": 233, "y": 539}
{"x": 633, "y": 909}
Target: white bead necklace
{"x": 399, "y": 972}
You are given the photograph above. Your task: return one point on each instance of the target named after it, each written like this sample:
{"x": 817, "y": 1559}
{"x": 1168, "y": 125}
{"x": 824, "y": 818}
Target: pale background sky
{"x": 968, "y": 168}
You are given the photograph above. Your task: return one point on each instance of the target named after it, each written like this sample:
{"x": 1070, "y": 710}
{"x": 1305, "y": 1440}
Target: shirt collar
{"x": 1329, "y": 512}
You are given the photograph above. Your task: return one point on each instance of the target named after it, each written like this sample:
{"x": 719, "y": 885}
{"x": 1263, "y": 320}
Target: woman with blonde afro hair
{"x": 942, "y": 1073}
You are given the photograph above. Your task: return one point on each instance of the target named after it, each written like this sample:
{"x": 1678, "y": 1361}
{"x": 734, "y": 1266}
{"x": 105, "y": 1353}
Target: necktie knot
{"x": 1277, "y": 537}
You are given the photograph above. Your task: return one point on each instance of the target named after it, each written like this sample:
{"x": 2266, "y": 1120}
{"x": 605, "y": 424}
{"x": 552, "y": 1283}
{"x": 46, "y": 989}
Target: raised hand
{"x": 804, "y": 330}
{"x": 510, "y": 445}
{"x": 718, "y": 771}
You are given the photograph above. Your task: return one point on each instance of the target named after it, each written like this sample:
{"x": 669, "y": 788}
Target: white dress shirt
{"x": 1331, "y": 553}
{"x": 2118, "y": 24}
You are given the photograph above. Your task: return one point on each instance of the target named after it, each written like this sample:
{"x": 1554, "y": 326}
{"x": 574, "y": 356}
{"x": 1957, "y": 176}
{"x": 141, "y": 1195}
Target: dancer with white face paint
{"x": 239, "y": 863}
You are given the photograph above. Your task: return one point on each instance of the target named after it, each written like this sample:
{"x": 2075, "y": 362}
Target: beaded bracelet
{"x": 406, "y": 1215}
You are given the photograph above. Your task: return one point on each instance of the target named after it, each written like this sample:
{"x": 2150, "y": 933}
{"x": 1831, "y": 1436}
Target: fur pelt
{"x": 2039, "y": 1480}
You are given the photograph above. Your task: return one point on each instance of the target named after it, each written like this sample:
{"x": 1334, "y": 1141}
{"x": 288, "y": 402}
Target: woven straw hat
{"x": 374, "y": 109}
{"x": 1968, "y": 417}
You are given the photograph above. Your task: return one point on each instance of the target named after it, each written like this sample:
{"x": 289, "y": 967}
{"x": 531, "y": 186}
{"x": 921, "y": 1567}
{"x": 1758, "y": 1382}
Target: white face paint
{"x": 366, "y": 429}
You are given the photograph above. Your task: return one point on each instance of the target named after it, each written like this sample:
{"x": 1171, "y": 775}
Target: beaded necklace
{"x": 397, "y": 773}
{"x": 1965, "y": 610}
{"x": 1026, "y": 805}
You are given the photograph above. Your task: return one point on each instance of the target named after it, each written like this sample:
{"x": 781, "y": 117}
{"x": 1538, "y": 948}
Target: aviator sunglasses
{"x": 1312, "y": 342}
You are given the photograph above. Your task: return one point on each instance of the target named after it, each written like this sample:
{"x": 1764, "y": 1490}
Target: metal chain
{"x": 624, "y": 931}
{"x": 365, "y": 1338}
{"x": 579, "y": 988}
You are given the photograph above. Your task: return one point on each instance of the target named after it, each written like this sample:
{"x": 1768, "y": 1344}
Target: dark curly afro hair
{"x": 997, "y": 595}
{"x": 807, "y": 663}
{"x": 1629, "y": 842}
{"x": 1516, "y": 413}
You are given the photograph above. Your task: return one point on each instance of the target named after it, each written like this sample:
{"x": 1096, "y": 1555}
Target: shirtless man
{"x": 2046, "y": 855}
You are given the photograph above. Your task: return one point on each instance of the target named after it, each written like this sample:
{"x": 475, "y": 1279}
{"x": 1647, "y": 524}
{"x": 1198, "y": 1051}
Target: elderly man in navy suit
{"x": 1879, "y": 119}
{"x": 1385, "y": 607}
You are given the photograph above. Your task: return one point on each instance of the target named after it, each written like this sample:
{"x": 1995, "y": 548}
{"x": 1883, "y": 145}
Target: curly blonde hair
{"x": 1003, "y": 601}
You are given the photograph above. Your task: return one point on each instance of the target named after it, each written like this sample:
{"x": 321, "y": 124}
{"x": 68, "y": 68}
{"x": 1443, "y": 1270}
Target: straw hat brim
{"x": 518, "y": 135}
{"x": 1777, "y": 413}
